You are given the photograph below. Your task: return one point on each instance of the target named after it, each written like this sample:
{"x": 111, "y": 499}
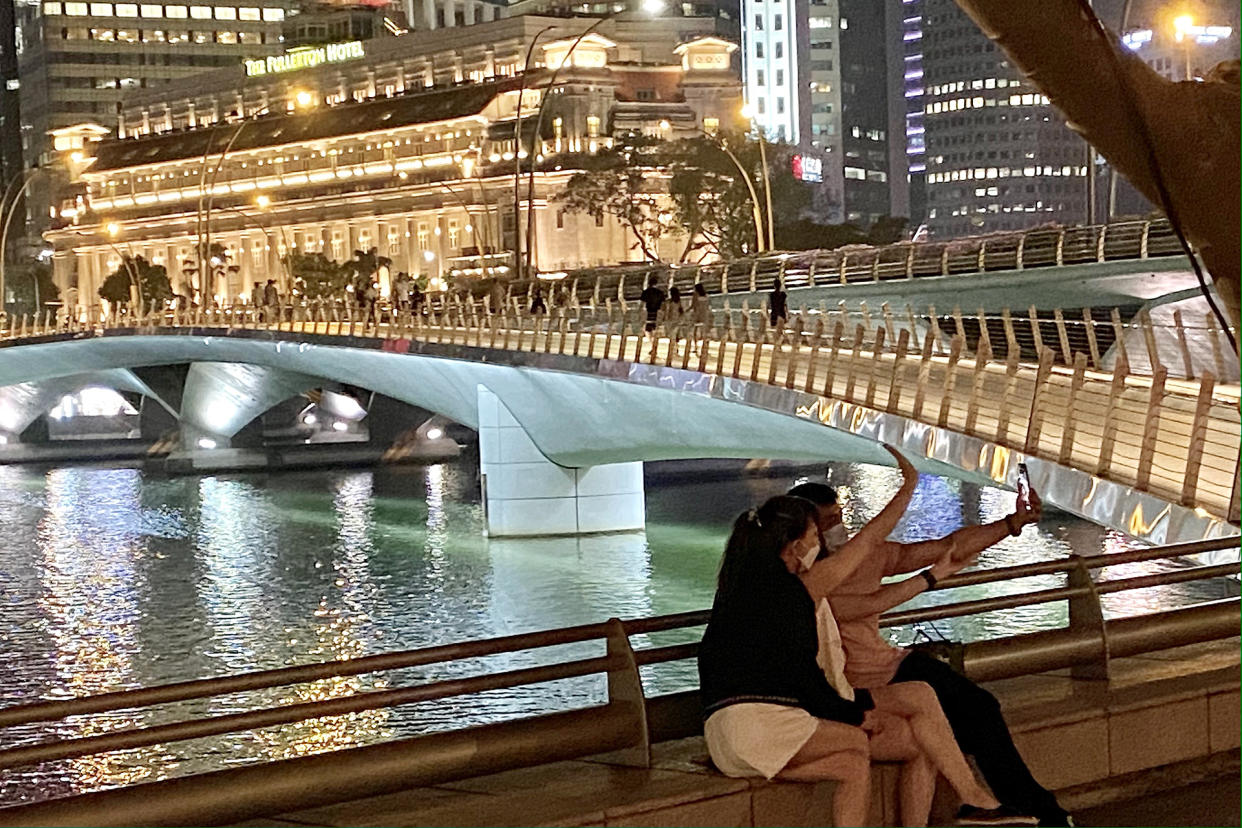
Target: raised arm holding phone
{"x": 872, "y": 663}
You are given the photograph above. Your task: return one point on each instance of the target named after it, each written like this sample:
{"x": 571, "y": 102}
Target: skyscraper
{"x": 817, "y": 75}
{"x": 998, "y": 155}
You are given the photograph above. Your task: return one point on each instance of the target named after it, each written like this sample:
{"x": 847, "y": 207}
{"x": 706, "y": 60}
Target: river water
{"x": 112, "y": 578}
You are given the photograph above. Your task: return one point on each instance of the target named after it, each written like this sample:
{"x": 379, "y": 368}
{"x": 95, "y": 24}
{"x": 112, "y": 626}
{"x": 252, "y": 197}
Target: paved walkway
{"x": 1208, "y": 803}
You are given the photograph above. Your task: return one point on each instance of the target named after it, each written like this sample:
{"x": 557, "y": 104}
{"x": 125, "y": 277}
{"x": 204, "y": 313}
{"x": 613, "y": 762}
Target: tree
{"x": 32, "y": 287}
{"x": 365, "y": 265}
{"x": 618, "y": 182}
{"x": 152, "y": 281}
{"x": 317, "y": 276}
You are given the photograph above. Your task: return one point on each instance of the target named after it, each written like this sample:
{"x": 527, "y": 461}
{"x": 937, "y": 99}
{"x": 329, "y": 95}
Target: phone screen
{"x": 1024, "y": 485}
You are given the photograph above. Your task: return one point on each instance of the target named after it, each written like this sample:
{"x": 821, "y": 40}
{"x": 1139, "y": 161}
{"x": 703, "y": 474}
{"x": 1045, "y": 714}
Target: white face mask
{"x": 808, "y": 559}
{"x": 836, "y": 537}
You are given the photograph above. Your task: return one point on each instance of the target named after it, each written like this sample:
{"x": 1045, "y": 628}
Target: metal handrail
{"x": 206, "y": 688}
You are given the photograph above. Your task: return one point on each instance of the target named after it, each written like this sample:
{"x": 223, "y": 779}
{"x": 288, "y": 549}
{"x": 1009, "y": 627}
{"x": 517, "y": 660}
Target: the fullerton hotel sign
{"x": 305, "y": 58}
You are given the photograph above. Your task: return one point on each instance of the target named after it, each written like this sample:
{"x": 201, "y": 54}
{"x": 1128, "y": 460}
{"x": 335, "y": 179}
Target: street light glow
{"x": 113, "y": 228}
{"x": 263, "y": 202}
{"x": 653, "y": 7}
{"x": 1183, "y": 24}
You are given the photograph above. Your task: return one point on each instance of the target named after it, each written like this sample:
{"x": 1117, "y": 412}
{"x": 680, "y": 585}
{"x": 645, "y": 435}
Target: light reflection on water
{"x": 111, "y": 579}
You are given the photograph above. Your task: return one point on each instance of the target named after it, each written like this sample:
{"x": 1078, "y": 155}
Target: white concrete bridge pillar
{"x": 526, "y": 494}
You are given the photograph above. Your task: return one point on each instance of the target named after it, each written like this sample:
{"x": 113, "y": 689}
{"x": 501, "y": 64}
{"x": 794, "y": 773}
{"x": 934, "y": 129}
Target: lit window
{"x": 424, "y": 235}
{"x": 175, "y": 11}
{"x": 338, "y": 246}
{"x": 856, "y": 173}
{"x": 273, "y": 15}
{"x": 711, "y": 125}
{"x": 249, "y": 14}
{"x": 452, "y": 232}
{"x": 592, "y": 125}
{"x": 149, "y": 10}
{"x": 394, "y": 239}
{"x": 778, "y": 22}
{"x": 226, "y": 13}
{"x": 126, "y": 10}
{"x": 759, "y": 77}
{"x": 226, "y": 37}
{"x": 845, "y": 24}
{"x": 101, "y": 9}
{"x": 51, "y": 8}
{"x": 200, "y": 12}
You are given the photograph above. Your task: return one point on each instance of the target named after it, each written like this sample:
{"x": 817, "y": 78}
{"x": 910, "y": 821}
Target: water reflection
{"x": 133, "y": 580}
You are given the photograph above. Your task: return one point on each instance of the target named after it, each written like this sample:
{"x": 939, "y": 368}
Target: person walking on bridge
{"x": 872, "y": 663}
{"x": 653, "y": 299}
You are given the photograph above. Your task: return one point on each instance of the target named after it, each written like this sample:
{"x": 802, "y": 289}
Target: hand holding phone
{"x": 1024, "y": 486}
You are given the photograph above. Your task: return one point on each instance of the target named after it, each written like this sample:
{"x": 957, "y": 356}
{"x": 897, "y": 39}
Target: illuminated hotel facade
{"x": 384, "y": 151}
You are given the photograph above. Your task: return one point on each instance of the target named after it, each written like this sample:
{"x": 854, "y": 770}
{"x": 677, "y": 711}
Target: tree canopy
{"x": 151, "y": 279}
{"x": 317, "y": 276}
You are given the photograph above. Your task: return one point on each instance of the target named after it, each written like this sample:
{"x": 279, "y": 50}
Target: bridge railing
{"x": 859, "y": 264}
{"x": 1044, "y": 387}
{"x": 628, "y": 722}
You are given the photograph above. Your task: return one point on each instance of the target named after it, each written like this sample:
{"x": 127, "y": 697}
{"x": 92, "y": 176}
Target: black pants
{"x": 975, "y": 716}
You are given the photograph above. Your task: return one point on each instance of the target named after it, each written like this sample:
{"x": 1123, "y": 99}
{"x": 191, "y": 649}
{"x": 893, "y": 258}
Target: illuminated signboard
{"x": 305, "y": 58}
{"x": 808, "y": 168}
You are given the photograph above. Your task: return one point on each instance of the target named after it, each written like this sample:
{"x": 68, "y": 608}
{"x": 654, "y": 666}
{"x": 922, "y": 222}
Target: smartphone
{"x": 1024, "y": 485}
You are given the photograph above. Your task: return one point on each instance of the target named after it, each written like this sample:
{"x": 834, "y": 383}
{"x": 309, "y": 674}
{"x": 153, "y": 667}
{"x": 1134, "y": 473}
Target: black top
{"x": 761, "y": 647}
{"x": 653, "y": 298}
{"x": 778, "y": 305}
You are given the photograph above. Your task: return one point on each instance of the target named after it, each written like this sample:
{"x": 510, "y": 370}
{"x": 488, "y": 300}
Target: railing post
{"x": 950, "y": 379}
{"x": 1070, "y": 427}
{"x": 958, "y": 326}
{"x": 1092, "y": 344}
{"x": 887, "y": 313}
{"x": 760, "y": 339}
{"x": 810, "y": 270}
{"x": 910, "y": 261}
{"x": 1063, "y": 336}
{"x": 1060, "y": 250}
{"x": 924, "y": 371}
{"x": 1119, "y": 334}
{"x": 1143, "y": 239}
{"x": 1185, "y": 347}
{"x": 841, "y": 269}
{"x": 754, "y": 266}
{"x": 1086, "y": 616}
{"x": 1213, "y": 333}
{"x": 1011, "y": 338}
{"x": 859, "y": 334}
{"x": 983, "y": 355}
{"x": 985, "y": 338}
{"x": 1151, "y": 428}
{"x": 1035, "y": 421}
{"x": 1099, "y": 242}
{"x": 1149, "y": 337}
{"x": 625, "y": 687}
{"x": 1021, "y": 251}
{"x": 1198, "y": 438}
{"x": 877, "y": 350}
{"x": 1108, "y": 438}
{"x": 899, "y": 362}
{"x": 816, "y": 338}
{"x": 1033, "y": 314}
{"x": 838, "y": 330}
{"x": 724, "y": 278}
{"x": 981, "y": 262}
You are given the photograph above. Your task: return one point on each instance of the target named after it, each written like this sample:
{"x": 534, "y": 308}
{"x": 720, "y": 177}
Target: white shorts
{"x": 757, "y": 739}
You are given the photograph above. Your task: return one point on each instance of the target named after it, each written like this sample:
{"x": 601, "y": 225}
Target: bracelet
{"x": 1013, "y": 531}
{"x": 930, "y": 578}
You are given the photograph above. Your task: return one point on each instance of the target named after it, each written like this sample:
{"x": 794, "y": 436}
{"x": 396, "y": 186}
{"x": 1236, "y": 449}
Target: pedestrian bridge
{"x": 554, "y": 397}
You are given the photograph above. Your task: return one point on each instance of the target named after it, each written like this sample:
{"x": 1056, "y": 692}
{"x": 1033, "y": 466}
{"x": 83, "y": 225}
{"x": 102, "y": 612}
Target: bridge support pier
{"x": 527, "y": 495}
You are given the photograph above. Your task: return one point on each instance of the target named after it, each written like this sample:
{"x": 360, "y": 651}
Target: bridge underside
{"x": 578, "y": 412}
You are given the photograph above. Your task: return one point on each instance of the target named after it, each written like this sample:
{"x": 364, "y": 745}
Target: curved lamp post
{"x": 8, "y": 208}
{"x": 650, "y": 7}
{"x": 517, "y": 151}
{"x": 750, "y": 186}
{"x": 748, "y": 114}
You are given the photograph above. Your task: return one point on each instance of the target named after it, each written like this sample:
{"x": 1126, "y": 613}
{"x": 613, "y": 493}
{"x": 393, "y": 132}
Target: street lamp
{"x": 651, "y": 7}
{"x": 750, "y": 186}
{"x": 113, "y": 229}
{"x": 1182, "y": 25}
{"x": 748, "y": 113}
{"x": 517, "y": 151}
{"x": 8, "y": 208}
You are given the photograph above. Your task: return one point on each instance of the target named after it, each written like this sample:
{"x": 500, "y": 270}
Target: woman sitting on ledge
{"x": 771, "y": 708}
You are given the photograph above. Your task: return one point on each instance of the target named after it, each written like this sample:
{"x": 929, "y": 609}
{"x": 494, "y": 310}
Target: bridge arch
{"x": 584, "y": 412}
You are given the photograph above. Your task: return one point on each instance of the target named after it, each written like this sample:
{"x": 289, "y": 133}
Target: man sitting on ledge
{"x": 973, "y": 713}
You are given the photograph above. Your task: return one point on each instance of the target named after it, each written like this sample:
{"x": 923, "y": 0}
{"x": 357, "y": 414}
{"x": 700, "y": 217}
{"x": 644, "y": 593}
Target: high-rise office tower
{"x": 912, "y": 93}
{"x": 817, "y": 74}
{"x": 998, "y": 155}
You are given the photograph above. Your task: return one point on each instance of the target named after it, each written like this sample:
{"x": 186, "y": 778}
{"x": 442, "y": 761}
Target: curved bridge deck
{"x": 1174, "y": 439}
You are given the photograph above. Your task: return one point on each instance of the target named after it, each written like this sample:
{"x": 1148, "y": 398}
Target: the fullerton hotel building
{"x": 405, "y": 144}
